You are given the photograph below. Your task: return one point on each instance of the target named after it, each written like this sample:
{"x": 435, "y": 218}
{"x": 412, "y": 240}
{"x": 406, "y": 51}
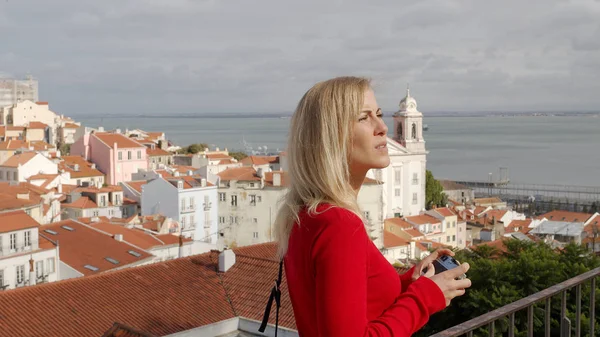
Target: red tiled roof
{"x": 423, "y": 219}
{"x": 392, "y": 240}
{"x": 16, "y": 144}
{"x": 136, "y": 185}
{"x": 164, "y": 173}
{"x": 226, "y": 162}
{"x": 566, "y": 216}
{"x": 8, "y": 202}
{"x": 85, "y": 167}
{"x": 37, "y": 125}
{"x": 14, "y": 221}
{"x": 19, "y": 159}
{"x": 493, "y": 200}
{"x": 122, "y": 330}
{"x": 70, "y": 126}
{"x": 190, "y": 181}
{"x": 15, "y": 128}
{"x": 183, "y": 169}
{"x": 81, "y": 203}
{"x": 398, "y": 222}
{"x": 239, "y": 173}
{"x": 518, "y": 226}
{"x": 2, "y": 130}
{"x": 41, "y": 103}
{"x": 87, "y": 246}
{"x": 88, "y": 220}
{"x": 138, "y": 238}
{"x": 157, "y": 152}
{"x": 413, "y": 232}
{"x": 122, "y": 142}
{"x": 444, "y": 211}
{"x": 260, "y": 160}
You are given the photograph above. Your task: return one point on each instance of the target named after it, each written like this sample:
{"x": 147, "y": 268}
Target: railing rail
{"x": 528, "y": 302}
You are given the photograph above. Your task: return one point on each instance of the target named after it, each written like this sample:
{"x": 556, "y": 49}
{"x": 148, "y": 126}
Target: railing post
{"x": 565, "y": 323}
{"x": 511, "y": 325}
{"x": 547, "y": 321}
{"x": 491, "y": 328}
{"x": 592, "y": 306}
{"x": 578, "y": 311}
{"x": 530, "y": 320}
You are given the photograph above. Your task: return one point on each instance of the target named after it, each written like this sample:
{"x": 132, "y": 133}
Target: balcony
{"x": 188, "y": 209}
{"x": 540, "y": 302}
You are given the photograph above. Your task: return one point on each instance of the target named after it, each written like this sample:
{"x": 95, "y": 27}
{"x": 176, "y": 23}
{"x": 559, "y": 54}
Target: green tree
{"x": 594, "y": 207}
{"x": 434, "y": 194}
{"x": 517, "y": 271}
{"x": 195, "y": 148}
{"x": 65, "y": 149}
{"x": 238, "y": 155}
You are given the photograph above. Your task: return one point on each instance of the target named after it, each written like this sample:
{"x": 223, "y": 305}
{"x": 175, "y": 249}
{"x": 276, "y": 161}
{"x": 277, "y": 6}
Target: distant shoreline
{"x": 286, "y": 116}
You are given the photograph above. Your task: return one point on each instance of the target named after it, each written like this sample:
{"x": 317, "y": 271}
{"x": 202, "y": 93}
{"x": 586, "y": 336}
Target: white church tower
{"x": 403, "y": 190}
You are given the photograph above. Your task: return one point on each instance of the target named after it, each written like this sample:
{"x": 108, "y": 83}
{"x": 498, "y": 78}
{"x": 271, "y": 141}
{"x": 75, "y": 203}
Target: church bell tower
{"x": 408, "y": 125}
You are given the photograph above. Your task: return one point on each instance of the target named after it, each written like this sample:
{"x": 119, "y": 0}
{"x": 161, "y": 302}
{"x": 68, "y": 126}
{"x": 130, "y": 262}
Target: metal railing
{"x": 488, "y": 320}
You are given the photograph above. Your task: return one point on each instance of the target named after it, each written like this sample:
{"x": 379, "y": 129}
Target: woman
{"x": 339, "y": 283}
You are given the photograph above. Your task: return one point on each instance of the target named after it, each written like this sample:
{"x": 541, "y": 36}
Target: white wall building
{"x": 191, "y": 200}
{"x": 404, "y": 179}
{"x": 21, "y": 166}
{"x": 13, "y": 91}
{"x": 21, "y": 246}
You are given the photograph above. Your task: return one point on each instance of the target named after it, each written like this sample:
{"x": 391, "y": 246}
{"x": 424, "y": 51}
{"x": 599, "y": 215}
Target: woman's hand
{"x": 450, "y": 285}
{"x": 427, "y": 262}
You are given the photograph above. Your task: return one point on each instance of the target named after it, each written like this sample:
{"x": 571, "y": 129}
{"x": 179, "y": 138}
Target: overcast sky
{"x": 210, "y": 56}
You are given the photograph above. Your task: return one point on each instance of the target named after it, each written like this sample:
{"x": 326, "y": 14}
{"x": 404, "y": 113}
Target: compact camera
{"x": 446, "y": 262}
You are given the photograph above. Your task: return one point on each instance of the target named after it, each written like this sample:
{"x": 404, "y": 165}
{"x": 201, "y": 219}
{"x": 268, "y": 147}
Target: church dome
{"x": 408, "y": 103}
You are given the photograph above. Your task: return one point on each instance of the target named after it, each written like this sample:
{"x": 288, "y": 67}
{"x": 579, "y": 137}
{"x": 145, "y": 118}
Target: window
{"x": 221, "y": 219}
{"x": 258, "y": 198}
{"x": 459, "y": 229}
{"x": 414, "y": 201}
{"x": 255, "y": 235}
{"x": 192, "y": 221}
{"x": 2, "y": 278}
{"x": 183, "y": 221}
{"x": 118, "y": 199}
{"x": 207, "y": 203}
{"x": 448, "y": 238}
{"x": 103, "y": 201}
{"x": 139, "y": 154}
{"x": 28, "y": 211}
{"x": 182, "y": 204}
{"x": 252, "y": 200}
{"x": 192, "y": 203}
{"x": 39, "y": 269}
{"x": 13, "y": 241}
{"x": 207, "y": 221}
{"x": 20, "y": 274}
{"x": 120, "y": 155}
{"x": 254, "y": 220}
{"x": 453, "y": 237}
{"x": 234, "y": 200}
{"x": 95, "y": 213}
{"x": 397, "y": 176}
{"x": 27, "y": 238}
{"x": 235, "y": 219}
{"x": 15, "y": 177}
{"x": 367, "y": 214}
{"x": 1, "y": 175}
{"x": 397, "y": 192}
{"x": 50, "y": 265}
{"x": 251, "y": 184}
{"x": 415, "y": 179}
{"x": 128, "y": 155}
{"x": 222, "y": 196}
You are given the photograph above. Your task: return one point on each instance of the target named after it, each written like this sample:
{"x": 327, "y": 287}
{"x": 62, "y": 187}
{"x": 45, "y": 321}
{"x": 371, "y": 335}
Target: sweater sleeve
{"x": 340, "y": 266}
{"x": 406, "y": 279}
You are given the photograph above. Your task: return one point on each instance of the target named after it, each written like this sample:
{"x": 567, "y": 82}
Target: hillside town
{"x": 85, "y": 205}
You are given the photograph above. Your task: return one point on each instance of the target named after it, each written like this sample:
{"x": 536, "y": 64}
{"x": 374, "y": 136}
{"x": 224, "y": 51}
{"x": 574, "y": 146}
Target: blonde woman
{"x": 339, "y": 282}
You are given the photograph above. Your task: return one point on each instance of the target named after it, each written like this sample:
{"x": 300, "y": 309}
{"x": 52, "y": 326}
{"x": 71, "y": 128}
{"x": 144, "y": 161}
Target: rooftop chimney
{"x": 32, "y": 279}
{"x": 226, "y": 260}
{"x": 260, "y": 172}
{"x": 203, "y": 182}
{"x": 119, "y": 237}
{"x": 180, "y": 246}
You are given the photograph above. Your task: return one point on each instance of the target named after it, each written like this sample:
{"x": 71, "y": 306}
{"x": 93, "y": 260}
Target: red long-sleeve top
{"x": 341, "y": 285}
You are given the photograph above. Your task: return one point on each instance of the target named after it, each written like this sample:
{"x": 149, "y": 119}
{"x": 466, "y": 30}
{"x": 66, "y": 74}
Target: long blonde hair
{"x": 319, "y": 146}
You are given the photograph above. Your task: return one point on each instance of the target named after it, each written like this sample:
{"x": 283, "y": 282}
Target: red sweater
{"x": 341, "y": 285}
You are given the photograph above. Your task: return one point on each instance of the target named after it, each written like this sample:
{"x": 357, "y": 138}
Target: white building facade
{"x": 191, "y": 200}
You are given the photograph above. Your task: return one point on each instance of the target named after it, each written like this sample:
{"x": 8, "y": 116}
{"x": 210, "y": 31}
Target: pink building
{"x": 114, "y": 154}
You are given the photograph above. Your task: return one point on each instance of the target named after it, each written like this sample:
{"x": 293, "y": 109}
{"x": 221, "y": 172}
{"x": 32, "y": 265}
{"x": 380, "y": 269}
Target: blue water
{"x": 545, "y": 149}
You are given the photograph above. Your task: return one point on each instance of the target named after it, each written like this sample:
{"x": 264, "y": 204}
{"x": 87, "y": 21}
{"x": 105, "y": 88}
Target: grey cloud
{"x": 234, "y": 55}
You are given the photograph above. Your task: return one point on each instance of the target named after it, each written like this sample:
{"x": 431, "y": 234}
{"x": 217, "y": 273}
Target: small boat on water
{"x": 425, "y": 127}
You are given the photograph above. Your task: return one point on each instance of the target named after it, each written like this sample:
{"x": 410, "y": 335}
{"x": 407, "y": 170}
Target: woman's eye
{"x": 380, "y": 115}
{"x": 362, "y": 119}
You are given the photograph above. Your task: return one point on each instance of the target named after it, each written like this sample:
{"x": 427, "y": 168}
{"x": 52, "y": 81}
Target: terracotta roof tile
{"x": 227, "y": 162}
{"x": 87, "y": 246}
{"x": 122, "y": 330}
{"x": 260, "y": 160}
{"x": 398, "y": 222}
{"x": 183, "y": 169}
{"x": 215, "y": 156}
{"x": 136, "y": 185}
{"x": 566, "y": 216}
{"x": 283, "y": 178}
{"x": 19, "y": 159}
{"x": 413, "y": 232}
{"x": 10, "y": 202}
{"x": 122, "y": 142}
{"x": 89, "y": 220}
{"x": 157, "y": 152}
{"x": 70, "y": 163}
{"x": 81, "y": 203}
{"x": 518, "y": 226}
{"x": 444, "y": 211}
{"x": 71, "y": 126}
{"x": 14, "y": 221}
{"x": 37, "y": 125}
{"x": 423, "y": 219}
{"x": 391, "y": 240}
{"x": 138, "y": 238}
{"x": 239, "y": 173}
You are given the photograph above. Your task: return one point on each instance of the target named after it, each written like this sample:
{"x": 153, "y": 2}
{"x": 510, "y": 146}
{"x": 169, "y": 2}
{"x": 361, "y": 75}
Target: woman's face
{"x": 369, "y": 139}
